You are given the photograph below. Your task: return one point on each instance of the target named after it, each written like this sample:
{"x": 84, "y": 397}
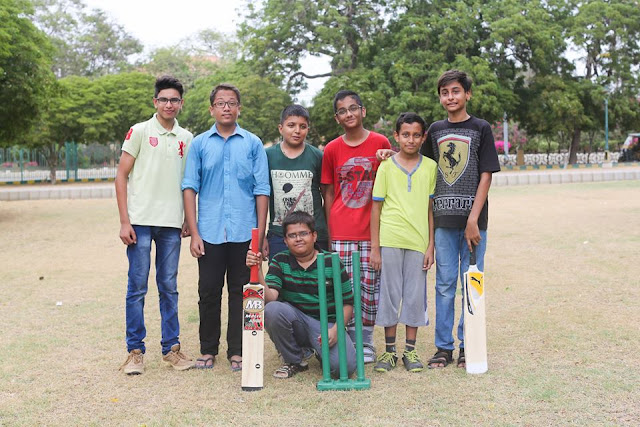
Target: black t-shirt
{"x": 462, "y": 151}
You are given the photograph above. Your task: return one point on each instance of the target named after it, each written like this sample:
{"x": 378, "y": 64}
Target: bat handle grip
{"x": 255, "y": 245}
{"x": 472, "y": 255}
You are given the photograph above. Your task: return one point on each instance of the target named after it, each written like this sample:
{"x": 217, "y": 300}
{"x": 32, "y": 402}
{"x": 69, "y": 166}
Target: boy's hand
{"x": 384, "y": 154}
{"x": 185, "y": 230}
{"x": 265, "y": 249}
{"x": 428, "y": 259}
{"x": 376, "y": 258}
{"x": 472, "y": 234}
{"x": 197, "y": 246}
{"x": 333, "y": 336}
{"x": 253, "y": 258}
{"x": 128, "y": 234}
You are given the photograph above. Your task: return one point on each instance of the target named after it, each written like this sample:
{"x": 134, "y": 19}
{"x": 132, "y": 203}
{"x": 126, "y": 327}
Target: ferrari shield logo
{"x": 454, "y": 157}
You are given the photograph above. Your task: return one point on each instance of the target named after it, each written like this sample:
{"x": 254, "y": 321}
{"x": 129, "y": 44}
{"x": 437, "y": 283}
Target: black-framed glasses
{"x": 352, "y": 109}
{"x": 173, "y": 101}
{"x": 301, "y": 234}
{"x": 221, "y": 104}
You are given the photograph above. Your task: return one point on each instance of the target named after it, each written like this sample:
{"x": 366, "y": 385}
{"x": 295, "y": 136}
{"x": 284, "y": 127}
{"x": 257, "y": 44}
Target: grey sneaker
{"x": 177, "y": 359}
{"x": 386, "y": 362}
{"x": 369, "y": 354}
{"x": 134, "y": 365}
{"x": 412, "y": 361}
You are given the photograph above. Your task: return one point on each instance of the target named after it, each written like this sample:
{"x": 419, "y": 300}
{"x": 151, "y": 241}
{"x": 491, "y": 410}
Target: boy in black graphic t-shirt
{"x": 464, "y": 149}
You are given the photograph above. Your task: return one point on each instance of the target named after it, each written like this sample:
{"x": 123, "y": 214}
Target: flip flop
{"x": 205, "y": 362}
{"x": 236, "y": 365}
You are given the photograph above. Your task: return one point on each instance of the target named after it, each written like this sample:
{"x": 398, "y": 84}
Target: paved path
{"x": 105, "y": 190}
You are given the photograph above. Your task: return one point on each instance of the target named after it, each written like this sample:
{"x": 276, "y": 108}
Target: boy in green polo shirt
{"x": 153, "y": 159}
{"x": 402, "y": 246}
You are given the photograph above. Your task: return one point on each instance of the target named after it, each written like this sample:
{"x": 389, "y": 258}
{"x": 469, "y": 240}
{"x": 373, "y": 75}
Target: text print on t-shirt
{"x": 291, "y": 192}
{"x": 356, "y": 178}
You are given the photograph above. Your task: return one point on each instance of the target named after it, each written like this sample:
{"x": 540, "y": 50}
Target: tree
{"x": 607, "y": 33}
{"x": 195, "y": 57}
{"x": 88, "y": 43}
{"x": 278, "y": 34}
{"x": 370, "y": 86}
{"x": 87, "y": 111}
{"x": 261, "y": 102}
{"x": 25, "y": 76}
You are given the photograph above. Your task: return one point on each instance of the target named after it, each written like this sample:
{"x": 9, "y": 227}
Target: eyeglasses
{"x": 221, "y": 104}
{"x": 302, "y": 235}
{"x": 352, "y": 109}
{"x": 174, "y": 101}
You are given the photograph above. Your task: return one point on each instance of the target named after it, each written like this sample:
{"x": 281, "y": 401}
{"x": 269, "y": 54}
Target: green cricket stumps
{"x": 324, "y": 318}
{"x": 343, "y": 383}
{"x": 357, "y": 310}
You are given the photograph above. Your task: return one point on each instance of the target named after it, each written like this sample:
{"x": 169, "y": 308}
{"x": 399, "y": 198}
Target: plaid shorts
{"x": 369, "y": 278}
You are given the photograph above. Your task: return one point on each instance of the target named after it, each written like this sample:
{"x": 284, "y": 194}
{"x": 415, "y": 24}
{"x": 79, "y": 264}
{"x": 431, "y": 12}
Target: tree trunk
{"x": 575, "y": 144}
{"x": 52, "y": 159}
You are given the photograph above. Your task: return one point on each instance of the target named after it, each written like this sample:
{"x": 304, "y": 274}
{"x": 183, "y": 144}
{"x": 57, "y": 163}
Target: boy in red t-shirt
{"x": 349, "y": 167}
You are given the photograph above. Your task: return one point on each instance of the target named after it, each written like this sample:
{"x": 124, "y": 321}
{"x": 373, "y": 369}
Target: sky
{"x": 158, "y": 23}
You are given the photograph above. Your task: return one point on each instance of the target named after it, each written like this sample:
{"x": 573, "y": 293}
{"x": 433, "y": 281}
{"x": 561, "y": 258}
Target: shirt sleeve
{"x": 380, "y": 184}
{"x": 260, "y": 170}
{"x": 427, "y": 147}
{"x": 487, "y": 153}
{"x": 327, "y": 166}
{"x": 193, "y": 168}
{"x": 132, "y": 141}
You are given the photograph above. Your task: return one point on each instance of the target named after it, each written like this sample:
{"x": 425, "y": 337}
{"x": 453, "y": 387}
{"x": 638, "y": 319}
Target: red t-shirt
{"x": 352, "y": 171}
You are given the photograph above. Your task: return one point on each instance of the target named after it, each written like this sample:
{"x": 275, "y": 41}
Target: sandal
{"x": 205, "y": 362}
{"x": 442, "y": 357}
{"x": 289, "y": 369}
{"x": 236, "y": 365}
{"x": 461, "y": 361}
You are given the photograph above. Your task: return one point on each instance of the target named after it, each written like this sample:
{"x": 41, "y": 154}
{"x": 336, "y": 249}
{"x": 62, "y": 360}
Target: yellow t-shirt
{"x": 154, "y": 196}
{"x": 404, "y": 221}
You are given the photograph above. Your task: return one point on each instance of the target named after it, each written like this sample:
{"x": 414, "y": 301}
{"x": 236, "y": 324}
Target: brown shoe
{"x": 134, "y": 364}
{"x": 177, "y": 359}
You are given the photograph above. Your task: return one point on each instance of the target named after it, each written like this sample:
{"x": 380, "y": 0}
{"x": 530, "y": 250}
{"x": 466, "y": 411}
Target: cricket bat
{"x": 253, "y": 327}
{"x": 475, "y": 329}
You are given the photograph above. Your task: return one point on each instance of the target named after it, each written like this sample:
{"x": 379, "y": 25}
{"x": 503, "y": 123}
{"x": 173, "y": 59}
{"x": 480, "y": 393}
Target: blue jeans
{"x": 167, "y": 256}
{"x": 452, "y": 260}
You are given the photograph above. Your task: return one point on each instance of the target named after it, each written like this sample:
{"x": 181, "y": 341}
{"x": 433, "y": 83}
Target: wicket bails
{"x": 343, "y": 383}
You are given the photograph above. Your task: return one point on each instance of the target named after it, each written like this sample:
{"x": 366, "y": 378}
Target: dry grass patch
{"x": 563, "y": 327}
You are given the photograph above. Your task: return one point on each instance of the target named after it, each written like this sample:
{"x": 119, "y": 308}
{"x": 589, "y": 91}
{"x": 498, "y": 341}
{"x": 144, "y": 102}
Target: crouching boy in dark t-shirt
{"x": 292, "y": 313}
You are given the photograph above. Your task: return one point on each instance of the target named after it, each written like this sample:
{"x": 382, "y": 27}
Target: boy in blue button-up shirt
{"x": 227, "y": 167}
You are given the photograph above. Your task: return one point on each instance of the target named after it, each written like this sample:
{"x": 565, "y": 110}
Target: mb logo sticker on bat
{"x": 253, "y": 305}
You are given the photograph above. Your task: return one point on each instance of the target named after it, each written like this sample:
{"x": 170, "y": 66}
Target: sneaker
{"x": 134, "y": 365}
{"x": 412, "y": 361}
{"x": 369, "y": 354}
{"x": 386, "y": 362}
{"x": 290, "y": 369}
{"x": 177, "y": 359}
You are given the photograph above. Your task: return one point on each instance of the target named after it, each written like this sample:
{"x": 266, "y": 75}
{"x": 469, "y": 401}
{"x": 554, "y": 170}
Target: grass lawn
{"x": 563, "y": 324}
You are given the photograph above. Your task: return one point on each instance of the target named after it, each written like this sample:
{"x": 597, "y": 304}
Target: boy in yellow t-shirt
{"x": 402, "y": 240}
